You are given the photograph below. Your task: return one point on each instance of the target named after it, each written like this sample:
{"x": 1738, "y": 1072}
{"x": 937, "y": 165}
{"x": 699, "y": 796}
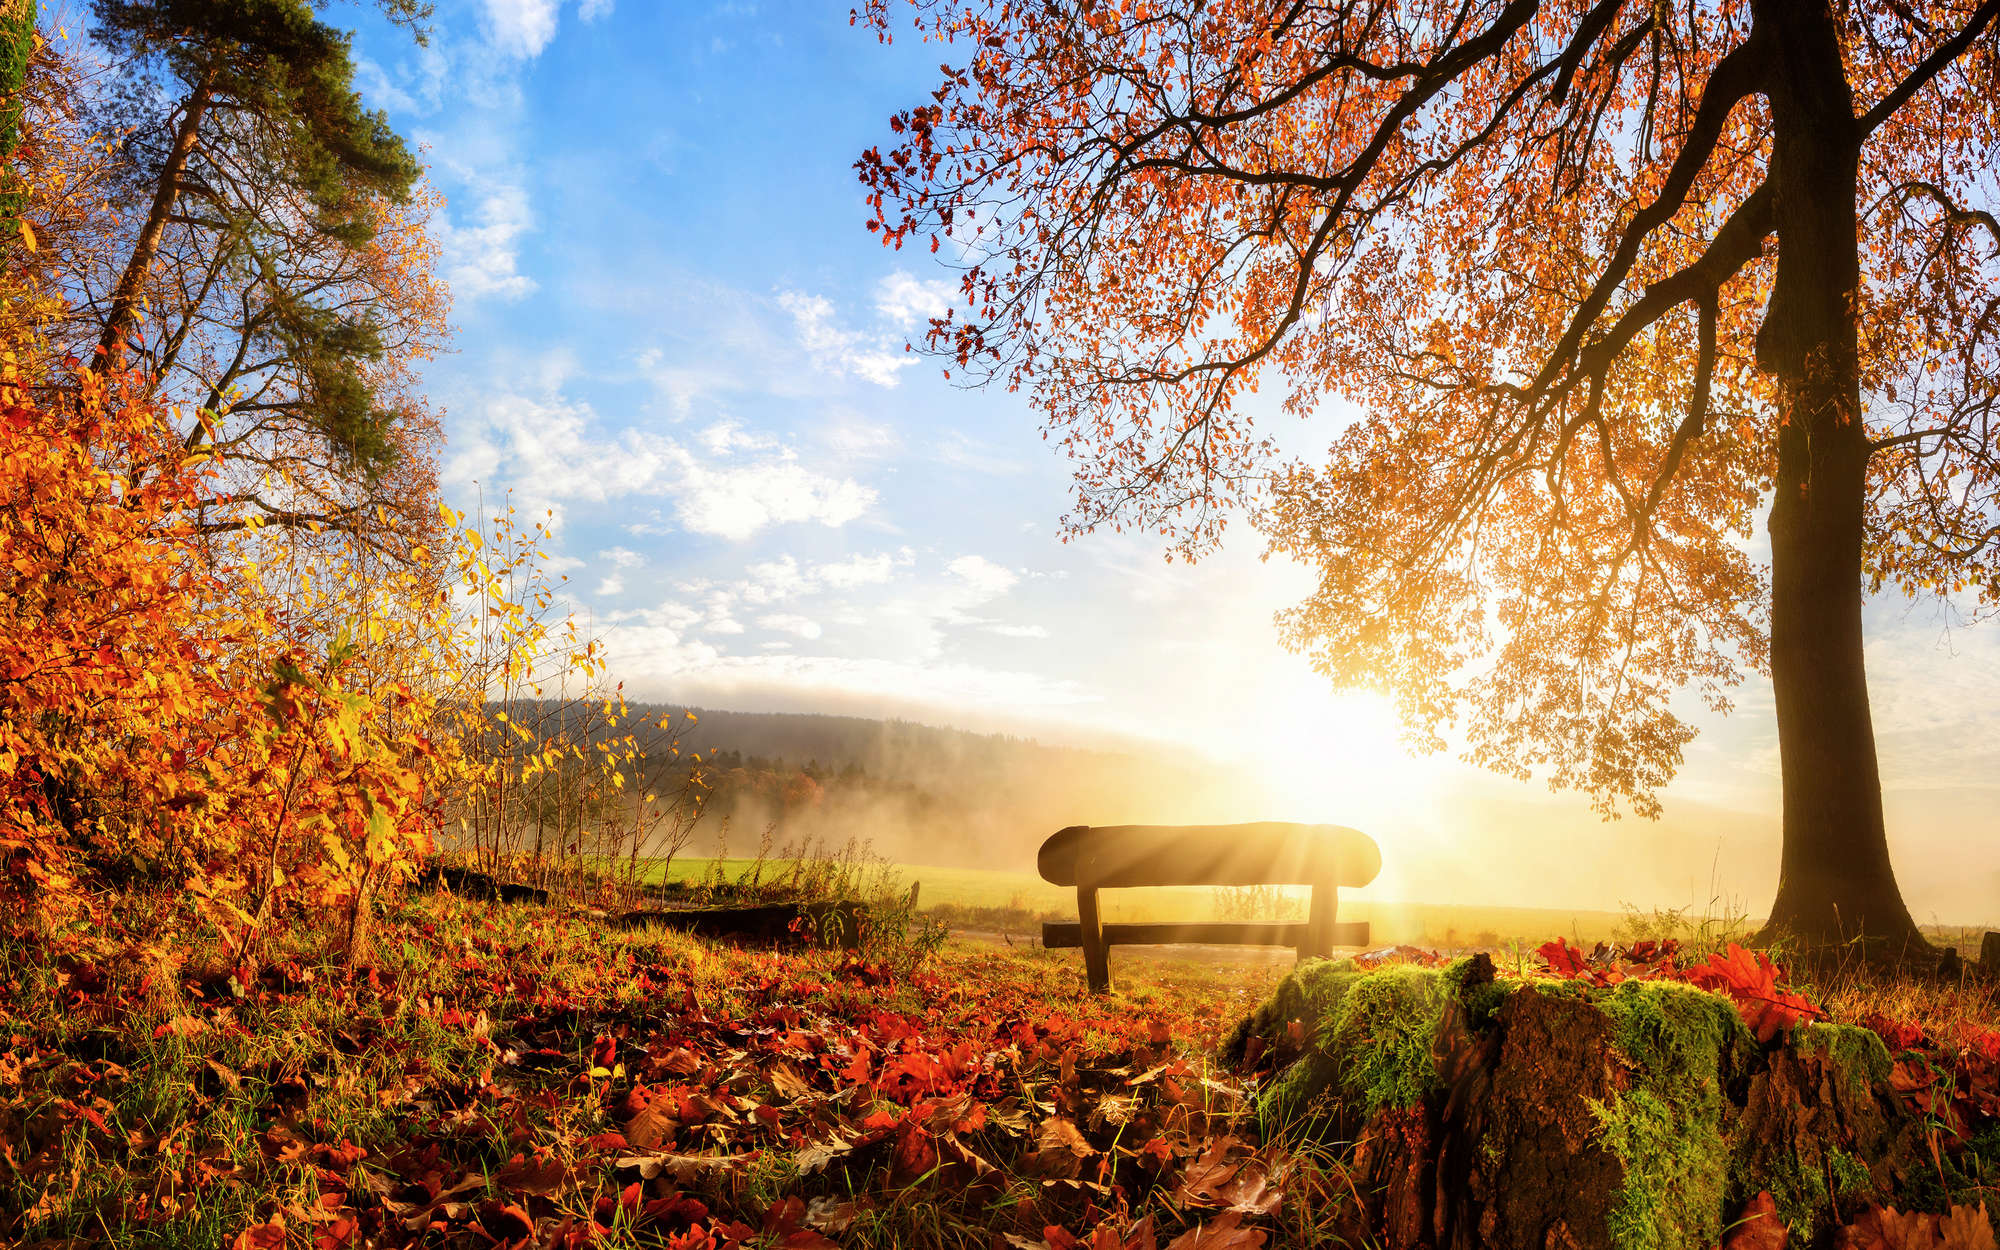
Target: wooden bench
{"x": 1094, "y": 858}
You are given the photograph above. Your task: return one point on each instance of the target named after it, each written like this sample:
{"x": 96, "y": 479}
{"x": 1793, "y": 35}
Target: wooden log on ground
{"x": 784, "y": 924}
{"x": 469, "y": 883}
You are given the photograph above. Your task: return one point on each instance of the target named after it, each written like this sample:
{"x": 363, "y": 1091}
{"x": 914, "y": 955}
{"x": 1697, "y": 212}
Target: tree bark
{"x": 124, "y": 311}
{"x": 1835, "y": 880}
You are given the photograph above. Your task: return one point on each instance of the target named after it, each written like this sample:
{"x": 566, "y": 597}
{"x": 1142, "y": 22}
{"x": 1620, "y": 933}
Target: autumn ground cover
{"x": 516, "y": 1075}
{"x": 522, "y": 1075}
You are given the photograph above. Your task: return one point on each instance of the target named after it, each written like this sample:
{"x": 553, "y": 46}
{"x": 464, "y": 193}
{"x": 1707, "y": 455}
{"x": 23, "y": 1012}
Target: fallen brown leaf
{"x": 785, "y": 1079}
{"x": 544, "y": 1177}
{"x": 1758, "y": 1227}
{"x": 1224, "y": 1232}
{"x": 682, "y": 1169}
{"x": 1059, "y": 1153}
{"x": 654, "y": 1126}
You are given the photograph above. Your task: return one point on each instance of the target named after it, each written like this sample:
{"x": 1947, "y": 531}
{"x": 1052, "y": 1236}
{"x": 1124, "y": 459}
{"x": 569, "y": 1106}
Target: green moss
{"x": 1316, "y": 987}
{"x": 1670, "y": 1122}
{"x": 1307, "y": 994}
{"x": 1645, "y": 1132}
{"x": 1667, "y": 1128}
{"x": 1564, "y": 987}
{"x": 1380, "y": 1032}
{"x": 1851, "y": 1178}
{"x": 1483, "y": 1002}
{"x": 1797, "y": 1190}
{"x": 1805, "y": 1178}
{"x": 1370, "y": 1042}
{"x": 1300, "y": 1103}
{"x": 1856, "y": 1055}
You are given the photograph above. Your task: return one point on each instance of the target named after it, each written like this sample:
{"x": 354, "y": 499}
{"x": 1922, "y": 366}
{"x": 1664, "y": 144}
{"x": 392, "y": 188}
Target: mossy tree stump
{"x": 1475, "y": 1112}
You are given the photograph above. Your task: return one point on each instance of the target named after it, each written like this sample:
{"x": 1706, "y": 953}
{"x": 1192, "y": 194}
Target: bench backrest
{"x": 1268, "y": 852}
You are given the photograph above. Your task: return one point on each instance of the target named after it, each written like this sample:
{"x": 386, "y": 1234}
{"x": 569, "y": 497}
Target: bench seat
{"x": 1269, "y": 852}
{"x": 1098, "y": 857}
{"x": 1293, "y": 933}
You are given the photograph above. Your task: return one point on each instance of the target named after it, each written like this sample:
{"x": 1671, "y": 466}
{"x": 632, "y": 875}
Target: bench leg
{"x": 1319, "y": 922}
{"x": 1096, "y": 959}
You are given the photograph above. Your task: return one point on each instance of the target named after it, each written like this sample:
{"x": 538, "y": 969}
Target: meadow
{"x": 1017, "y": 903}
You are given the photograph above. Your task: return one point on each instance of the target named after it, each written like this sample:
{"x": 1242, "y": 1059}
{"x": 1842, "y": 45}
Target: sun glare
{"x": 1336, "y": 758}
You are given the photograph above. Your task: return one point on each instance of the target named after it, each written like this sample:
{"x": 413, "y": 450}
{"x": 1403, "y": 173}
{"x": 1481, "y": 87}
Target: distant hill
{"x": 903, "y": 749}
{"x": 922, "y": 793}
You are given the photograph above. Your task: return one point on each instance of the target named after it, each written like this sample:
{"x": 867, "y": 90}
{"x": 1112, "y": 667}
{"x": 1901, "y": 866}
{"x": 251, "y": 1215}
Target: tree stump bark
{"x": 1543, "y": 1114}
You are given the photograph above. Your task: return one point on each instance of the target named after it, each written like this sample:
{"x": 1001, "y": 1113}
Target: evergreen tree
{"x": 275, "y": 278}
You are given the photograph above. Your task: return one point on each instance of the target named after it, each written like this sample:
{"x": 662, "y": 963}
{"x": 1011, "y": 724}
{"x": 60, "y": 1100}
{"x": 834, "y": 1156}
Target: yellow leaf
{"x": 28, "y": 237}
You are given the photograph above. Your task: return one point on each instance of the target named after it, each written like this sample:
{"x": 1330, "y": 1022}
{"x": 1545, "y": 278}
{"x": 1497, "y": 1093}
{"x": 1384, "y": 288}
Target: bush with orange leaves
{"x": 159, "y": 719}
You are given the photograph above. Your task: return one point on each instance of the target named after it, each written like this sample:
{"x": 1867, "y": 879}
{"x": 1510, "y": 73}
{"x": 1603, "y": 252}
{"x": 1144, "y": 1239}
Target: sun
{"x": 1337, "y": 758}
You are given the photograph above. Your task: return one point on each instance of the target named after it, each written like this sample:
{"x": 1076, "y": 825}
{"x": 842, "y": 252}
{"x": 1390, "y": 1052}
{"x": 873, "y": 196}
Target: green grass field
{"x": 1018, "y": 900}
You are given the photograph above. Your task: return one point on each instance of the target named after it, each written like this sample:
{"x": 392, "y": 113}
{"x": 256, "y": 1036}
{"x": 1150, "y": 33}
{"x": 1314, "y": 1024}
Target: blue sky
{"x": 672, "y": 331}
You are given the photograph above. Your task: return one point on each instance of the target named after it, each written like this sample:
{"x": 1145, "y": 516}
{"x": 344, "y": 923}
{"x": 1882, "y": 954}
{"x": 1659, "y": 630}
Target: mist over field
{"x": 921, "y": 794}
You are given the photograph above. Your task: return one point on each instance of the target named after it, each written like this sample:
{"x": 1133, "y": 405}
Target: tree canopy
{"x": 1604, "y": 280}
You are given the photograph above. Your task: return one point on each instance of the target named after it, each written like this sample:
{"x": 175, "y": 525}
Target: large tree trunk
{"x": 123, "y": 315}
{"x": 1835, "y": 880}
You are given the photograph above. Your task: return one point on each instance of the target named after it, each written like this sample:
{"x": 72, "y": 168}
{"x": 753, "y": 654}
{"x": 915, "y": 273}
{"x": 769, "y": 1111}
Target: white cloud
{"x": 713, "y": 616}
{"x": 725, "y": 437}
{"x": 520, "y": 28}
{"x": 913, "y": 622}
{"x": 655, "y": 528}
{"x": 621, "y": 557}
{"x": 790, "y": 623}
{"x": 612, "y": 585}
{"x": 545, "y": 449}
{"x": 548, "y": 450}
{"x": 483, "y": 259}
{"x": 735, "y": 501}
{"x": 661, "y": 664}
{"x": 591, "y": 10}
{"x": 862, "y": 570}
{"x": 417, "y": 92}
{"x": 1935, "y": 700}
{"x": 775, "y": 580}
{"x": 960, "y": 451}
{"x": 838, "y": 350}
{"x": 985, "y": 577}
{"x": 857, "y": 438}
{"x": 909, "y": 300}
{"x": 910, "y": 622}
{"x": 715, "y": 339}
{"x": 1018, "y": 631}
{"x": 772, "y": 581}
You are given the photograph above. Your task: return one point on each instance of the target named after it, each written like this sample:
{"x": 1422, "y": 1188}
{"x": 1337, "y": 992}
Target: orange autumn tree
{"x": 212, "y": 691}
{"x": 160, "y": 722}
{"x": 1605, "y": 279}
